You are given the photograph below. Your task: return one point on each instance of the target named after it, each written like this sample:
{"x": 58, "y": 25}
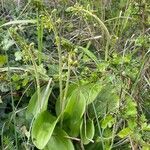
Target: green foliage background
{"x": 75, "y": 74}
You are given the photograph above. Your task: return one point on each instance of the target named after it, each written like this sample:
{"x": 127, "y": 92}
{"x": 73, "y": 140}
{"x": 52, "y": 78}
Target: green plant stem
{"x": 66, "y": 88}
{"x": 145, "y": 58}
{"x": 127, "y": 15}
{"x": 40, "y": 35}
{"x": 121, "y": 142}
{"x": 26, "y": 6}
{"x": 23, "y": 94}
{"x": 60, "y": 70}
{"x": 2, "y": 136}
{"x": 102, "y": 10}
{"x": 67, "y": 81}
{"x": 12, "y": 103}
{"x": 59, "y": 50}
{"x": 36, "y": 73}
{"x": 58, "y": 44}
{"x": 102, "y": 25}
{"x": 120, "y": 17}
{"x": 113, "y": 134}
{"x": 99, "y": 129}
{"x": 99, "y": 21}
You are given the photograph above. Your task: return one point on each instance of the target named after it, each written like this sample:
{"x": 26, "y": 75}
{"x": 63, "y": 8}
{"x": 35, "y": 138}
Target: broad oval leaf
{"x": 87, "y": 131}
{"x": 59, "y": 141}
{"x": 78, "y": 96}
{"x": 74, "y": 112}
{"x": 72, "y": 127}
{"x": 76, "y": 105}
{"x": 42, "y": 129}
{"x": 71, "y": 88}
{"x": 94, "y": 89}
{"x": 33, "y": 106}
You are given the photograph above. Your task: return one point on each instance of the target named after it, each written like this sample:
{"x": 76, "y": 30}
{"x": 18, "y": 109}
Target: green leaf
{"x": 146, "y": 127}
{"x": 3, "y": 60}
{"x": 95, "y": 146}
{"x": 132, "y": 123}
{"x": 145, "y": 147}
{"x": 7, "y": 43}
{"x": 71, "y": 88}
{"x": 130, "y": 109}
{"x": 16, "y": 77}
{"x": 19, "y": 22}
{"x": 124, "y": 132}
{"x": 59, "y": 141}
{"x": 90, "y": 55}
{"x": 87, "y": 131}
{"x": 74, "y": 112}
{"x": 107, "y": 121}
{"x": 42, "y": 129}
{"x": 107, "y": 101}
{"x": 72, "y": 127}
{"x": 81, "y": 95}
{"x": 94, "y": 90}
{"x": 33, "y": 106}
{"x": 76, "y": 105}
{"x": 18, "y": 55}
{"x": 77, "y": 98}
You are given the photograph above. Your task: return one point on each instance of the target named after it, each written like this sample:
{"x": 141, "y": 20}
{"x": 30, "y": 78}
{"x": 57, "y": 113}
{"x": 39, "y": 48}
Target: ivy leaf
{"x": 130, "y": 110}
{"x": 124, "y": 132}
{"x": 42, "y": 129}
{"x": 107, "y": 121}
{"x": 59, "y": 141}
